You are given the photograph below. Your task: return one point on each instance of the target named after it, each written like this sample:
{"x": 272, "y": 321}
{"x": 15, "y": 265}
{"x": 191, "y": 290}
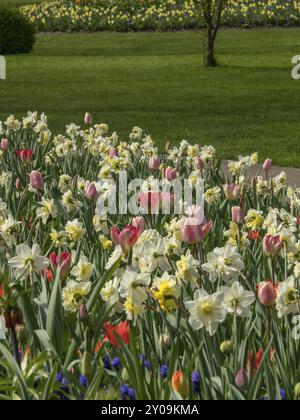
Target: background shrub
{"x": 17, "y": 34}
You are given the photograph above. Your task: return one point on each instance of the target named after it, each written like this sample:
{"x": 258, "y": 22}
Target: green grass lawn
{"x": 157, "y": 81}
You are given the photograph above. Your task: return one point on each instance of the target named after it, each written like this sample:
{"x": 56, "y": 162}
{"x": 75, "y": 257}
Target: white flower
{"x": 47, "y": 209}
{"x": 223, "y": 263}
{"x": 73, "y": 295}
{"x": 134, "y": 285}
{"x": 206, "y": 311}
{"x": 110, "y": 289}
{"x": 28, "y": 259}
{"x": 83, "y": 271}
{"x": 2, "y": 328}
{"x": 237, "y": 300}
{"x": 115, "y": 256}
{"x": 75, "y": 230}
{"x": 187, "y": 270}
{"x": 288, "y": 301}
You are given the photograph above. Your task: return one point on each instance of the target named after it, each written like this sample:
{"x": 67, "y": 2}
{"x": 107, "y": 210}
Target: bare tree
{"x": 212, "y": 13}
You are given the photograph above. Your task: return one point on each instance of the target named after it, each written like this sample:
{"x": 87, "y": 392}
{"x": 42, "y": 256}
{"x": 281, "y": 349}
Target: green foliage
{"x": 17, "y": 34}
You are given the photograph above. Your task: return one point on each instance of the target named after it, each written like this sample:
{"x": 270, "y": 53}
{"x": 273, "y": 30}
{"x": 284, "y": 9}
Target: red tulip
{"x": 122, "y": 330}
{"x": 62, "y": 262}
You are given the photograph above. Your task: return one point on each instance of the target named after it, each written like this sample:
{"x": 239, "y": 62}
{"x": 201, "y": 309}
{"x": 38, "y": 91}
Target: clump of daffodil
{"x": 166, "y": 291}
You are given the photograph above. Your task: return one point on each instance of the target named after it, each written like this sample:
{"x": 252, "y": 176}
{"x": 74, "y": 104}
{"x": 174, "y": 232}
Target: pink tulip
{"x": 139, "y": 223}
{"x": 267, "y": 293}
{"x": 193, "y": 230}
{"x": 91, "y": 192}
{"x": 154, "y": 163}
{"x": 4, "y": 144}
{"x": 62, "y": 262}
{"x": 126, "y": 238}
{"x": 199, "y": 163}
{"x": 113, "y": 153}
{"x": 232, "y": 191}
{"x": 36, "y": 180}
{"x": 267, "y": 166}
{"x": 88, "y": 120}
{"x": 272, "y": 245}
{"x": 18, "y": 184}
{"x": 237, "y": 215}
{"x": 170, "y": 173}
{"x": 152, "y": 201}
{"x": 241, "y": 379}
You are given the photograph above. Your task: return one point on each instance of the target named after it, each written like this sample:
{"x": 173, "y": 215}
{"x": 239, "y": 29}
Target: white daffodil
{"x": 206, "y": 311}
{"x": 223, "y": 263}
{"x": 237, "y": 300}
{"x": 73, "y": 295}
{"x": 134, "y": 285}
{"x": 288, "y": 299}
{"x": 75, "y": 230}
{"x": 47, "y": 209}
{"x": 83, "y": 271}
{"x": 28, "y": 260}
{"x": 187, "y": 270}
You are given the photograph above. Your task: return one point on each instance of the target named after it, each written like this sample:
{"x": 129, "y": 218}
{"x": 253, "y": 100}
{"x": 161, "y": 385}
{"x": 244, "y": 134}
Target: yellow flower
{"x": 75, "y": 230}
{"x": 166, "y": 292}
{"x": 254, "y": 219}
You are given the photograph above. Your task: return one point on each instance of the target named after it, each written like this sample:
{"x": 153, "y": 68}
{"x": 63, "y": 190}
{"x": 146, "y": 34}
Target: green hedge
{"x": 17, "y": 34}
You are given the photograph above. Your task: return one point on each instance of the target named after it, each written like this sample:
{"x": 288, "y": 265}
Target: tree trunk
{"x": 212, "y": 17}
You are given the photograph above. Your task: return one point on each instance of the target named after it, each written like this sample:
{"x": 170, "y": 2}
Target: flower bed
{"x": 119, "y": 15}
{"x": 146, "y": 305}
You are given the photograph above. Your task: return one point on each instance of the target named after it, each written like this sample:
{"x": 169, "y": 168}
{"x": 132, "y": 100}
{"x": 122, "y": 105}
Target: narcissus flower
{"x": 27, "y": 260}
{"x": 73, "y": 295}
{"x": 83, "y": 270}
{"x": 206, "y": 311}
{"x": 166, "y": 291}
{"x": 237, "y": 300}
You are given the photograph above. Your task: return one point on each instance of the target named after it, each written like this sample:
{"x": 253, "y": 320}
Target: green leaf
{"x": 12, "y": 364}
{"x": 55, "y": 320}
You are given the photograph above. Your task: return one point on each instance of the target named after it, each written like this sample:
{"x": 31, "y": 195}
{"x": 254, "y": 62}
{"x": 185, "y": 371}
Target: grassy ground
{"x": 249, "y": 103}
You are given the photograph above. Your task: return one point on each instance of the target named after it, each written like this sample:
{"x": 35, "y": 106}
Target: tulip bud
{"x": 86, "y": 364}
{"x": 83, "y": 313}
{"x": 166, "y": 341}
{"x": 16, "y": 317}
{"x": 113, "y": 153}
{"x": 88, "y": 120}
{"x": 237, "y": 215}
{"x": 267, "y": 293}
{"x": 241, "y": 379}
{"x": 226, "y": 347}
{"x": 297, "y": 390}
{"x": 125, "y": 376}
{"x": 91, "y": 192}
{"x": 4, "y": 144}
{"x": 139, "y": 223}
{"x": 272, "y": 245}
{"x": 199, "y": 163}
{"x": 8, "y": 321}
{"x": 36, "y": 180}
{"x": 232, "y": 191}
{"x": 22, "y": 334}
{"x": 267, "y": 166}
{"x": 170, "y": 173}
{"x": 18, "y": 184}
{"x": 154, "y": 163}
{"x": 181, "y": 384}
